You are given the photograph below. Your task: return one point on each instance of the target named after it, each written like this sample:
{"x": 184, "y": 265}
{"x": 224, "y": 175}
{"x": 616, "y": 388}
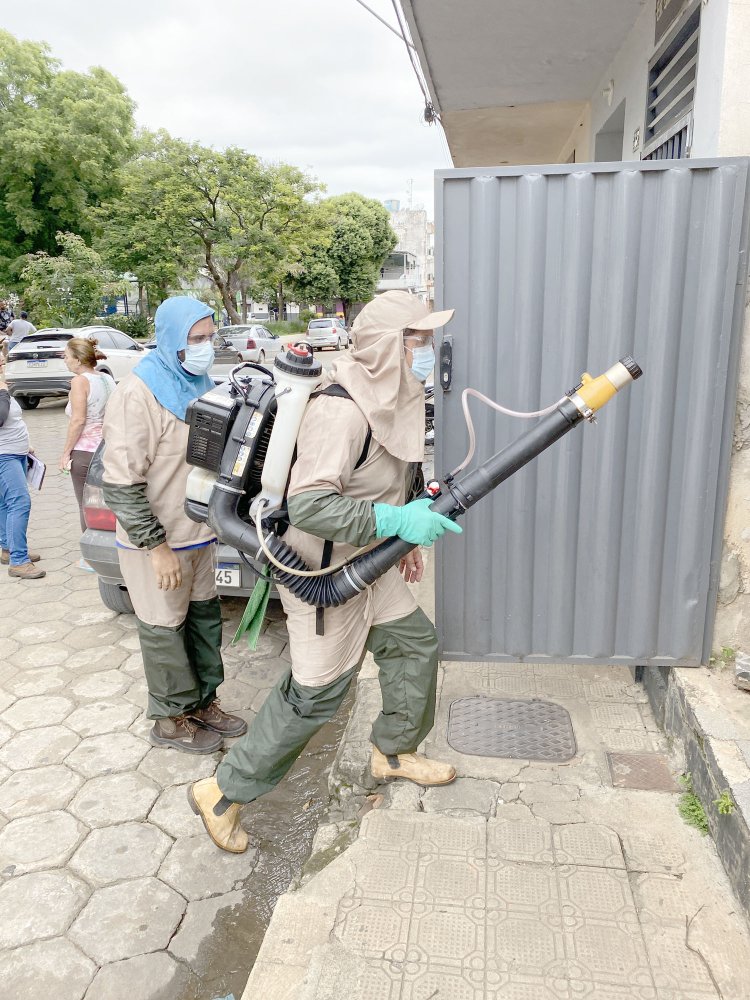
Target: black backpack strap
{"x": 334, "y": 389}
{"x": 325, "y": 562}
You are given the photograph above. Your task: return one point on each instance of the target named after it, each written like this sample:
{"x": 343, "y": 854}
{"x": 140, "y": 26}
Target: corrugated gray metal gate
{"x": 607, "y": 547}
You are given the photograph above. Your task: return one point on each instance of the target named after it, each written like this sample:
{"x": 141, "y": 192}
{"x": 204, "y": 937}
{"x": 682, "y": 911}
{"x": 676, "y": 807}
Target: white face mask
{"x": 422, "y": 361}
{"x": 198, "y": 358}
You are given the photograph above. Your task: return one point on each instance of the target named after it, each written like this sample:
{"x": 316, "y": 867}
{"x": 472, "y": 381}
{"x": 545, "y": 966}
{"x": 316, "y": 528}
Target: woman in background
{"x": 89, "y": 392}
{"x": 15, "y": 502}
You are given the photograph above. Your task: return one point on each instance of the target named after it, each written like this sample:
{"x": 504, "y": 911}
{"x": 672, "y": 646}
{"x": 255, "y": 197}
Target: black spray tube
{"x": 336, "y": 588}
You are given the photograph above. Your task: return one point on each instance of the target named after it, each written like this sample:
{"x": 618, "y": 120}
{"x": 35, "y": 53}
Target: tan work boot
{"x": 5, "y": 557}
{"x": 27, "y": 571}
{"x": 215, "y": 718}
{"x": 411, "y": 766}
{"x": 221, "y": 818}
{"x": 183, "y": 734}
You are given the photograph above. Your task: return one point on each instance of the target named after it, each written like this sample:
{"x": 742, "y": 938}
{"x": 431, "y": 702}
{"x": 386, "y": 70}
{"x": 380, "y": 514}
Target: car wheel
{"x": 262, "y": 358}
{"x": 29, "y": 402}
{"x": 338, "y": 345}
{"x": 115, "y": 598}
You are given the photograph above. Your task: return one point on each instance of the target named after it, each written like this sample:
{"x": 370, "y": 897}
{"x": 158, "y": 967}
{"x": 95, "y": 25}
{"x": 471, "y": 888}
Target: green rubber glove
{"x": 414, "y": 523}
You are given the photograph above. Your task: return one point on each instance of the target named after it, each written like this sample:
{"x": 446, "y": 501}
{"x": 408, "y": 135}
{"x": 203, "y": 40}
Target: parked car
{"x": 226, "y": 357}
{"x": 330, "y": 331}
{"x": 253, "y": 341}
{"x": 234, "y": 576}
{"x": 35, "y": 367}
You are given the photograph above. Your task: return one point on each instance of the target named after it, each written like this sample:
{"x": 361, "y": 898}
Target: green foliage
{"x": 725, "y": 803}
{"x": 724, "y": 658}
{"x": 343, "y": 260}
{"x": 306, "y": 315}
{"x": 287, "y": 326}
{"x": 187, "y": 208}
{"x": 67, "y": 290}
{"x": 135, "y": 325}
{"x": 690, "y": 807}
{"x": 65, "y": 137}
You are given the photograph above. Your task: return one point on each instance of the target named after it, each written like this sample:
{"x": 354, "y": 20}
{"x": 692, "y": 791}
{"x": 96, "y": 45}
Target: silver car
{"x": 254, "y": 341}
{"x": 330, "y": 331}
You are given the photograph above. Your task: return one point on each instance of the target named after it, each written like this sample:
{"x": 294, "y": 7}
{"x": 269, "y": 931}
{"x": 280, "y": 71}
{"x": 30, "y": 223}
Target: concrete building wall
{"x": 410, "y": 225}
{"x": 733, "y": 132}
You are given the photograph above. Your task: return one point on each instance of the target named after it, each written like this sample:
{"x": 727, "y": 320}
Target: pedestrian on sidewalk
{"x": 347, "y": 489}
{"x": 89, "y": 393}
{"x": 16, "y": 330}
{"x": 15, "y": 502}
{"x": 167, "y": 560}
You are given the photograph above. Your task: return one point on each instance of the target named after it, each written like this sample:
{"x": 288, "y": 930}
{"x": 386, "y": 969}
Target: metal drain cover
{"x": 511, "y": 727}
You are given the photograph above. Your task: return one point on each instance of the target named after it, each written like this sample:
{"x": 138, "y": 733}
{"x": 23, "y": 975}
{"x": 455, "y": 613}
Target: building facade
{"x": 604, "y": 80}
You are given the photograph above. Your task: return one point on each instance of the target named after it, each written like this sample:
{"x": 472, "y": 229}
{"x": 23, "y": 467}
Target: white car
{"x": 329, "y": 331}
{"x": 253, "y": 341}
{"x": 35, "y": 367}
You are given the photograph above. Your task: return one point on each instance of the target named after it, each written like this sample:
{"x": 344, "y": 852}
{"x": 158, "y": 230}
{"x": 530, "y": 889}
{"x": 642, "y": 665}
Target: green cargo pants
{"x": 405, "y": 652}
{"x": 183, "y": 665}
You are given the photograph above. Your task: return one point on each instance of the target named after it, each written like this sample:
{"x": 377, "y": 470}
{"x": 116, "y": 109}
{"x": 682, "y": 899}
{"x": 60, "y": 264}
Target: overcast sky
{"x": 320, "y": 84}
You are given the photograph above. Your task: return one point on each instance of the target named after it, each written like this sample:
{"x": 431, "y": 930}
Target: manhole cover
{"x": 511, "y": 727}
{"x": 647, "y": 771}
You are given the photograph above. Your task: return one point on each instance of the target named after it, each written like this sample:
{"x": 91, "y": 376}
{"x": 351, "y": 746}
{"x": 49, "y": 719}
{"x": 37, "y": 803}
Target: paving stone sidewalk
{"x": 109, "y": 888}
{"x": 523, "y": 880}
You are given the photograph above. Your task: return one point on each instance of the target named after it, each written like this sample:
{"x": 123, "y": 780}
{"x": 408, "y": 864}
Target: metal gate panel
{"x": 607, "y": 547}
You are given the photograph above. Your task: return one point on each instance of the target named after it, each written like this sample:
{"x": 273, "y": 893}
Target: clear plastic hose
{"x": 524, "y": 415}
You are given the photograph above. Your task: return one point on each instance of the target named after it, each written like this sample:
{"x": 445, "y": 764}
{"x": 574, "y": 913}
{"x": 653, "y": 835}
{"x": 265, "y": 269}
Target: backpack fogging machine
{"x": 242, "y": 438}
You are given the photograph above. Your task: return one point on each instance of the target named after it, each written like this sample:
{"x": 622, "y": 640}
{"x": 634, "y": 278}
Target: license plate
{"x": 228, "y": 576}
{"x": 36, "y": 364}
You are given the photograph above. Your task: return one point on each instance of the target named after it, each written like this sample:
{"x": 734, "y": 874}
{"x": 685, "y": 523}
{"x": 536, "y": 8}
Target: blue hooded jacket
{"x": 161, "y": 370}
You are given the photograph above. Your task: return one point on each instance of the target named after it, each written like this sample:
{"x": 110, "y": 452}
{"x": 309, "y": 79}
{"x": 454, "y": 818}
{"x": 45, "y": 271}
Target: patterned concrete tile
{"x": 107, "y": 754}
{"x": 132, "y": 918}
{"x": 98, "y": 717}
{"x": 113, "y": 798}
{"x": 520, "y": 840}
{"x": 53, "y": 968}
{"x": 39, "y": 790}
{"x": 48, "y": 745}
{"x": 115, "y": 853}
{"x": 27, "y": 915}
{"x": 32, "y": 843}
{"x": 37, "y": 711}
{"x": 195, "y": 869}
{"x": 587, "y": 844}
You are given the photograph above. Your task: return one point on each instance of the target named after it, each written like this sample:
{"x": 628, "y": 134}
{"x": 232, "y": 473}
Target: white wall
{"x": 629, "y": 70}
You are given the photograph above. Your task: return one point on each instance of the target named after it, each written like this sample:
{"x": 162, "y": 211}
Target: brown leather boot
{"x": 183, "y": 734}
{"x": 27, "y": 571}
{"x": 213, "y": 717}
{"x": 412, "y": 767}
{"x": 5, "y": 557}
{"x": 221, "y": 817}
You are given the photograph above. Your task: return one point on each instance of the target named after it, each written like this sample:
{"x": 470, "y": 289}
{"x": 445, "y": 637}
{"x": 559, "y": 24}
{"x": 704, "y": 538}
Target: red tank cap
{"x": 301, "y": 350}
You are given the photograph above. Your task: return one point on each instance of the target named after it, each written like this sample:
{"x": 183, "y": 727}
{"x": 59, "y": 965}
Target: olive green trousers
{"x": 405, "y": 652}
{"x": 183, "y": 665}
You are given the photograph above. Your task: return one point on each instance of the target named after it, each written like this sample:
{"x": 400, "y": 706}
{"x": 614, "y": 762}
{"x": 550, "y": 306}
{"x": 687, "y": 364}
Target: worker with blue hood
{"x": 167, "y": 560}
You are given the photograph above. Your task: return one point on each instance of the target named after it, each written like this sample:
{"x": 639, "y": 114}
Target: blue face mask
{"x": 422, "y": 362}
{"x": 198, "y": 358}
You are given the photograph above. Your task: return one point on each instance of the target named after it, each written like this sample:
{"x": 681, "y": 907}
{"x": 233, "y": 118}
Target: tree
{"x": 67, "y": 290}
{"x": 239, "y": 221}
{"x": 65, "y": 136}
{"x": 136, "y": 235}
{"x": 358, "y": 239}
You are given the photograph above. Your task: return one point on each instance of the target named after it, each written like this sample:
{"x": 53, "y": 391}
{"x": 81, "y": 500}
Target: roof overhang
{"x": 512, "y": 79}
